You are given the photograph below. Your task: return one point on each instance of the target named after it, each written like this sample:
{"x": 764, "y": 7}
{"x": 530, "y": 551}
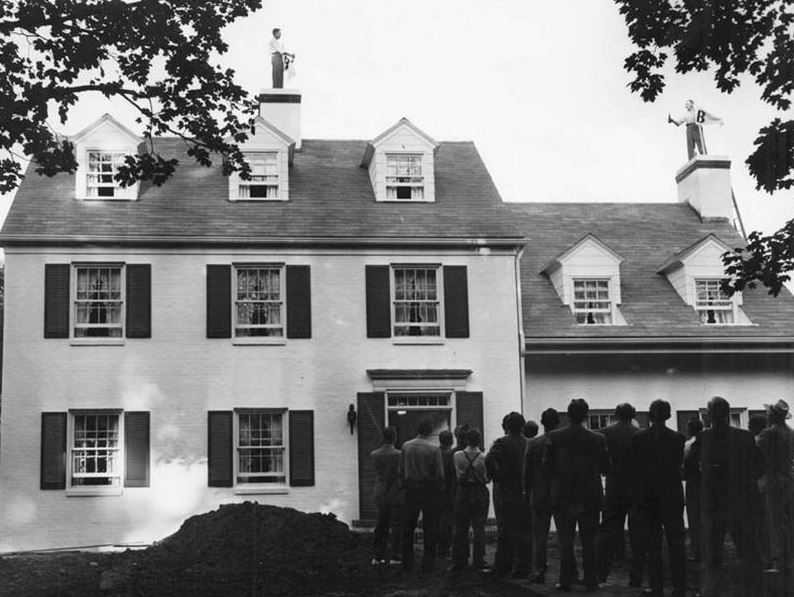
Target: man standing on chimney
{"x": 694, "y": 118}
{"x": 279, "y": 59}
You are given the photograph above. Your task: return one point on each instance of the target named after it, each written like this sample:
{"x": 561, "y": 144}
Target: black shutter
{"x": 469, "y": 410}
{"x": 136, "y": 448}
{"x": 139, "y": 300}
{"x": 301, "y": 448}
{"x": 370, "y": 423}
{"x": 456, "y": 301}
{"x": 378, "y": 301}
{"x": 299, "y": 301}
{"x": 219, "y": 301}
{"x": 53, "y": 451}
{"x": 56, "y": 300}
{"x": 219, "y": 448}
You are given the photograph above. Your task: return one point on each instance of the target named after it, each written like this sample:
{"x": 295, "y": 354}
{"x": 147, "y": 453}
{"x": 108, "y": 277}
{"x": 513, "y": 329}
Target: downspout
{"x": 521, "y": 340}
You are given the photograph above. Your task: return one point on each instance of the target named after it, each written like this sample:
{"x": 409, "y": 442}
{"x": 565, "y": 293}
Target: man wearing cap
{"x": 777, "y": 485}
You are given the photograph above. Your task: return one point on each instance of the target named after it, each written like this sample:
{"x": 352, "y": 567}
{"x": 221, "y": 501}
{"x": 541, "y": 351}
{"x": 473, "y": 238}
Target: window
{"x": 737, "y": 417}
{"x": 259, "y": 302}
{"x": 712, "y": 304}
{"x": 416, "y": 302}
{"x": 598, "y": 419}
{"x": 404, "y": 178}
{"x": 260, "y": 448}
{"x": 95, "y": 450}
{"x": 102, "y": 169}
{"x": 264, "y": 177}
{"x": 98, "y": 305}
{"x": 591, "y": 303}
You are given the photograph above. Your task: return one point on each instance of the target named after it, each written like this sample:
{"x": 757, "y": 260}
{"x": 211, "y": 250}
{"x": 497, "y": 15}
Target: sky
{"x": 538, "y": 85}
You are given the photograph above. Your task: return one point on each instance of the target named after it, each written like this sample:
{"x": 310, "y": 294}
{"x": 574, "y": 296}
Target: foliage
{"x": 738, "y": 40}
{"x": 157, "y": 55}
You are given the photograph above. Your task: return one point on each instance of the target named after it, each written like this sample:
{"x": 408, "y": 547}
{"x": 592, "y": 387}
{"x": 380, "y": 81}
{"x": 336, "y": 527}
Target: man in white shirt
{"x": 694, "y": 118}
{"x": 279, "y": 59}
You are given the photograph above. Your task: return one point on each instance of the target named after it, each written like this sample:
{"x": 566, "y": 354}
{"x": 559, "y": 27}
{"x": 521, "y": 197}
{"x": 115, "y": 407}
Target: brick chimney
{"x": 282, "y": 108}
{"x": 705, "y": 183}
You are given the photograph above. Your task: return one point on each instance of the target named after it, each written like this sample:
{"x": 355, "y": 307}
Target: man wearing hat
{"x": 777, "y": 486}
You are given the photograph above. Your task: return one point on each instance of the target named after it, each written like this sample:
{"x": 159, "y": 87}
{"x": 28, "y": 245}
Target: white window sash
{"x": 276, "y": 452}
{"x": 426, "y": 306}
{"x": 267, "y": 305}
{"x": 99, "y": 306}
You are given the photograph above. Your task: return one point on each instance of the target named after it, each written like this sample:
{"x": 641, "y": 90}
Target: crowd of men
{"x": 737, "y": 481}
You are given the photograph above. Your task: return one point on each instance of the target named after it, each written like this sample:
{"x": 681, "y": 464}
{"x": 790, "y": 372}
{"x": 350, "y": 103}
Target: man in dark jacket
{"x": 777, "y": 486}
{"x": 692, "y": 496}
{"x": 575, "y": 459}
{"x": 730, "y": 465}
{"x": 537, "y": 490}
{"x": 448, "y": 498}
{"x": 505, "y": 461}
{"x": 388, "y": 498}
{"x": 618, "y": 499}
{"x": 657, "y": 455}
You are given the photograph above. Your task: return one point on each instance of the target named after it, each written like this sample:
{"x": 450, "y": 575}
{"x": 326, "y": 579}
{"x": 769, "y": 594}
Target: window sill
{"x": 258, "y": 490}
{"x": 93, "y": 492}
{"x": 433, "y": 340}
{"x": 259, "y": 341}
{"x": 407, "y": 201}
{"x": 97, "y": 341}
{"x": 259, "y": 200}
{"x": 108, "y": 199}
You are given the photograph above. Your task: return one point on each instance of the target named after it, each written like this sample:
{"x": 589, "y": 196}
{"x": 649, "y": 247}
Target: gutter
{"x": 21, "y": 240}
{"x": 660, "y": 345}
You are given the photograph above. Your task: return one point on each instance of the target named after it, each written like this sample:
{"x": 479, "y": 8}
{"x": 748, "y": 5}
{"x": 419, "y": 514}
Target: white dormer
{"x": 269, "y": 153}
{"x": 587, "y": 279}
{"x": 400, "y": 164}
{"x": 100, "y": 149}
{"x": 696, "y": 274}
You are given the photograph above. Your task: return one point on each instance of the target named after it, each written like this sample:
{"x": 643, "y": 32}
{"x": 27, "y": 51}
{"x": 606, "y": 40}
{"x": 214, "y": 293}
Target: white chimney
{"x": 282, "y": 109}
{"x": 705, "y": 183}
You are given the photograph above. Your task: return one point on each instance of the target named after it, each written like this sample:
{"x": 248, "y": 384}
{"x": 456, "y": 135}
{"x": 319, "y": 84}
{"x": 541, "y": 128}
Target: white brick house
{"x": 168, "y": 349}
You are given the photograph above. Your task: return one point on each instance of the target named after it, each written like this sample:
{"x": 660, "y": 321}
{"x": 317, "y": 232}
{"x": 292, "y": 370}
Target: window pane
{"x": 260, "y": 448}
{"x": 258, "y": 304}
{"x": 98, "y": 302}
{"x": 95, "y": 449}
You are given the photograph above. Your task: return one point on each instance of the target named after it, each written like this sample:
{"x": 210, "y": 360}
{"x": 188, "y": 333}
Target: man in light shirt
{"x": 279, "y": 59}
{"x": 694, "y": 118}
{"x": 471, "y": 503}
{"x": 422, "y": 476}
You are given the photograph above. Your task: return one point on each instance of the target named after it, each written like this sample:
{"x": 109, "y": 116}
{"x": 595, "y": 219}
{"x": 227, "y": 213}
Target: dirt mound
{"x": 250, "y": 549}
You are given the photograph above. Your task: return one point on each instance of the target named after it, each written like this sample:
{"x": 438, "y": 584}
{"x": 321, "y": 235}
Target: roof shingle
{"x": 647, "y": 235}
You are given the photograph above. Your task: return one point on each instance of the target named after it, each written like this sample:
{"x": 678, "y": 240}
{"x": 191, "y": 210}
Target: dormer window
{"x": 401, "y": 164}
{"x": 696, "y": 273}
{"x": 100, "y": 150}
{"x": 100, "y": 177}
{"x": 404, "y": 179}
{"x": 586, "y": 277}
{"x": 712, "y": 304}
{"x": 264, "y": 177}
{"x": 268, "y": 153}
{"x": 591, "y": 302}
